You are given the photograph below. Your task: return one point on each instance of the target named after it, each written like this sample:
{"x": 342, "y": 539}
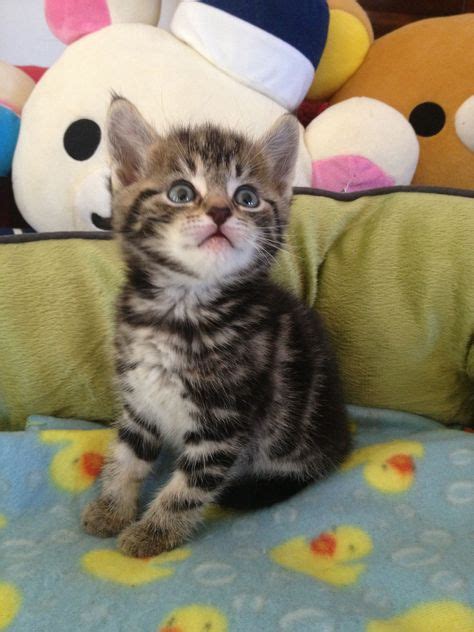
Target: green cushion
{"x": 56, "y": 314}
{"x": 395, "y": 283}
{"x": 392, "y": 272}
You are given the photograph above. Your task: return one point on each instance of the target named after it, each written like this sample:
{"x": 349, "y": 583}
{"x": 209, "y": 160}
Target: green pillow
{"x": 391, "y": 271}
{"x": 57, "y": 297}
{"x": 393, "y": 274}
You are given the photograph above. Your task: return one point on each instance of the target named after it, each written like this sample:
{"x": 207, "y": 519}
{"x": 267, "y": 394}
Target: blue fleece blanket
{"x": 385, "y": 545}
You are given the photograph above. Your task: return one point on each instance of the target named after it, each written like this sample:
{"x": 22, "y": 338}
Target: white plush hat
{"x": 273, "y": 47}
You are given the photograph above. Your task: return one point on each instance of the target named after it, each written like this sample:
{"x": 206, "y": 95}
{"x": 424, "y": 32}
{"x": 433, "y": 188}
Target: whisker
{"x": 280, "y": 247}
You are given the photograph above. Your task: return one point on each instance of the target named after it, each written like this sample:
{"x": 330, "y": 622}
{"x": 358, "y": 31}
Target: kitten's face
{"x": 205, "y": 204}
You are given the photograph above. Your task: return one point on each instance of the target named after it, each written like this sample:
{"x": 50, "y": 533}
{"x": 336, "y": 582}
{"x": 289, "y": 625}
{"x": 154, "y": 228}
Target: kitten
{"x": 212, "y": 357}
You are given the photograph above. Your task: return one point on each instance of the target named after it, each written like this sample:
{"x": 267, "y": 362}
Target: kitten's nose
{"x": 220, "y": 214}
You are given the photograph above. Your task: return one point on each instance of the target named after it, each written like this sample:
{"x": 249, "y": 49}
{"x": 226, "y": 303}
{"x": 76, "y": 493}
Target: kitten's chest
{"x": 155, "y": 385}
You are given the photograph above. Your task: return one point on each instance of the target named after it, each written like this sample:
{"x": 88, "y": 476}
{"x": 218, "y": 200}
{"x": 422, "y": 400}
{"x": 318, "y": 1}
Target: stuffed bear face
{"x": 61, "y": 169}
{"x": 424, "y": 71}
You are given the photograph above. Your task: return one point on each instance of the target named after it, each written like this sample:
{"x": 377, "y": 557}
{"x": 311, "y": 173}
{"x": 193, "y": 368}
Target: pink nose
{"x": 349, "y": 173}
{"x": 220, "y": 214}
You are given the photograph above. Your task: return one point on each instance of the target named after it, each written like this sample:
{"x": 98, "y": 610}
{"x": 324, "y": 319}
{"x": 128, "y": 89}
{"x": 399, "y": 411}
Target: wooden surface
{"x": 387, "y": 15}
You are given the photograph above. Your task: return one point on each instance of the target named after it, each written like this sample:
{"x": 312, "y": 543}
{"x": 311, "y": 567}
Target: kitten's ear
{"x": 280, "y": 145}
{"x": 129, "y": 139}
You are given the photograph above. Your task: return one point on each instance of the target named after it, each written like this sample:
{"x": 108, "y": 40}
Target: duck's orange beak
{"x": 92, "y": 463}
{"x": 325, "y": 544}
{"x": 170, "y": 629}
{"x": 403, "y": 463}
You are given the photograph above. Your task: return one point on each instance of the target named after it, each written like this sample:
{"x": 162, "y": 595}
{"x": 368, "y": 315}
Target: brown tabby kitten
{"x": 212, "y": 357}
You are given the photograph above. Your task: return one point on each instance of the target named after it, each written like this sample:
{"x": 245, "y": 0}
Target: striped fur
{"x": 212, "y": 358}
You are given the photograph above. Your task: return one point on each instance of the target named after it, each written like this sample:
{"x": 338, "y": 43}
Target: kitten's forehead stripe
{"x": 215, "y": 147}
{"x": 190, "y": 163}
{"x": 174, "y": 164}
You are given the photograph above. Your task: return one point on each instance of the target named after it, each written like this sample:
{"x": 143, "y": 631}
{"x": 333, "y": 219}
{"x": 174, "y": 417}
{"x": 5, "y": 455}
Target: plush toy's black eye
{"x": 427, "y": 119}
{"x": 81, "y": 139}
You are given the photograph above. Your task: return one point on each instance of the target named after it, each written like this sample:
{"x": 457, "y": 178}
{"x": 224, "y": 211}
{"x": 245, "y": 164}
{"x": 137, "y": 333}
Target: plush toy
{"x": 361, "y": 144}
{"x": 407, "y": 114}
{"x": 239, "y": 64}
{"x": 15, "y": 88}
{"x": 350, "y": 36}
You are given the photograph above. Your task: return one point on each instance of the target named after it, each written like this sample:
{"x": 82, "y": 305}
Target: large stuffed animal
{"x": 239, "y": 64}
{"x": 406, "y": 116}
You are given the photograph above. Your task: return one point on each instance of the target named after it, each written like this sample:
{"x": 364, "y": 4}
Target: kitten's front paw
{"x": 145, "y": 539}
{"x": 102, "y": 519}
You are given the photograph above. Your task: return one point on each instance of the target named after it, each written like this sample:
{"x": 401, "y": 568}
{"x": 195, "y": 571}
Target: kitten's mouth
{"x": 102, "y": 223}
{"x": 216, "y": 238}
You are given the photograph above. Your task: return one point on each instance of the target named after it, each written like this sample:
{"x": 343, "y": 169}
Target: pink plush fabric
{"x": 70, "y": 20}
{"x": 349, "y": 173}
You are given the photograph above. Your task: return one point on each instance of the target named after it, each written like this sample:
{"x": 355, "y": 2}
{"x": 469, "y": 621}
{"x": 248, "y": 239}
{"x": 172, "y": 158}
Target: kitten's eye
{"x": 247, "y": 197}
{"x": 182, "y": 193}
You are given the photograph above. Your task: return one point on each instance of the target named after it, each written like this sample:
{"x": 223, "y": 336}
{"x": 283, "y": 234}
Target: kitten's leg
{"x": 201, "y": 471}
{"x": 130, "y": 462}
{"x": 255, "y": 491}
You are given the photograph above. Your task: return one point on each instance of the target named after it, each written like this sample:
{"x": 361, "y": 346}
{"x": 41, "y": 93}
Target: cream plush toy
{"x": 239, "y": 64}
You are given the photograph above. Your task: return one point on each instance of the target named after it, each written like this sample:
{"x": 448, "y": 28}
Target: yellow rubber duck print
{"x": 389, "y": 467}
{"x": 330, "y": 557}
{"x": 77, "y": 465}
{"x": 10, "y": 601}
{"x": 194, "y": 618}
{"x": 3, "y": 521}
{"x": 436, "y": 616}
{"x": 114, "y": 567}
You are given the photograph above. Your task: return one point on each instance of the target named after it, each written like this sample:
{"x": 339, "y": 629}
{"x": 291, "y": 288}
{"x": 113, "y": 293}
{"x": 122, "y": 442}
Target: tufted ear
{"x": 70, "y": 20}
{"x": 280, "y": 145}
{"x": 129, "y": 140}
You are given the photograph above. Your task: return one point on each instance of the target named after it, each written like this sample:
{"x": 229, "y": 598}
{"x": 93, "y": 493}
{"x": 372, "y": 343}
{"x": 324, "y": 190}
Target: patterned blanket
{"x": 385, "y": 545}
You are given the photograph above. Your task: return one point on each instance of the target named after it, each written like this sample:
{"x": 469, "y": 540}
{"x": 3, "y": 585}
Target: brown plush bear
{"x": 424, "y": 72}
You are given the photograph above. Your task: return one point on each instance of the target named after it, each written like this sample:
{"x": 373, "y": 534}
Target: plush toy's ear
{"x": 350, "y": 36}
{"x": 70, "y": 20}
{"x": 280, "y": 145}
{"x": 129, "y": 140}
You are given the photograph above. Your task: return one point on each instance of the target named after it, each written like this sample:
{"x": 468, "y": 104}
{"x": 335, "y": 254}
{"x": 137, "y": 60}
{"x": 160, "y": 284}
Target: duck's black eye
{"x": 427, "y": 119}
{"x": 247, "y": 197}
{"x": 182, "y": 192}
{"x": 81, "y": 139}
